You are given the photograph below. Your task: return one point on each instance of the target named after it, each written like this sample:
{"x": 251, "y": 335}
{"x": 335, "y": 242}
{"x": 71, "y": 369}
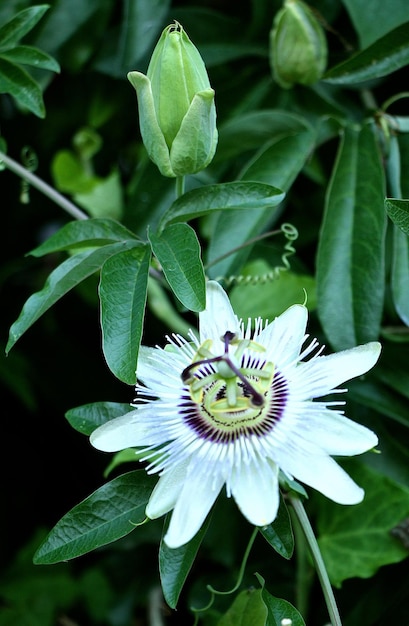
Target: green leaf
{"x": 383, "y": 17}
{"x": 175, "y": 564}
{"x": 108, "y": 514}
{"x": 66, "y": 276}
{"x": 379, "y": 398}
{"x": 67, "y": 19}
{"x": 398, "y": 211}
{"x": 20, "y": 24}
{"x": 129, "y": 455}
{"x": 278, "y": 609}
{"x": 139, "y": 30}
{"x": 221, "y": 52}
{"x": 392, "y": 368}
{"x": 162, "y": 306}
{"x": 271, "y": 296}
{"x": 85, "y": 234}
{"x": 104, "y": 198}
{"x": 70, "y": 173}
{"x": 122, "y": 292}
{"x": 350, "y": 259}
{"x": 256, "y": 130}
{"x": 178, "y": 251}
{"x": 88, "y": 417}
{"x": 278, "y": 162}
{"x": 400, "y": 274}
{"x": 279, "y": 534}
{"x": 399, "y": 279}
{"x": 29, "y": 55}
{"x": 356, "y": 541}
{"x": 388, "y": 54}
{"x": 248, "y": 609}
{"x": 221, "y": 197}
{"x": 18, "y": 83}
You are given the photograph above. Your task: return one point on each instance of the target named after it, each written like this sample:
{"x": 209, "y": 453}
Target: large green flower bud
{"x": 177, "y": 114}
{"x": 298, "y": 47}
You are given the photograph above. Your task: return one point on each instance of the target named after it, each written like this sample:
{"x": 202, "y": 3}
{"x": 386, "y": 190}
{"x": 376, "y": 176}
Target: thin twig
{"x": 42, "y": 186}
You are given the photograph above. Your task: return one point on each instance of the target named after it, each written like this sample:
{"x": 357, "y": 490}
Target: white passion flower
{"x": 234, "y": 407}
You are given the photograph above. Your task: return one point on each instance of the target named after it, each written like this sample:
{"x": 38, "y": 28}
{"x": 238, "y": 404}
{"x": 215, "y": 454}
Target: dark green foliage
{"x": 78, "y": 297}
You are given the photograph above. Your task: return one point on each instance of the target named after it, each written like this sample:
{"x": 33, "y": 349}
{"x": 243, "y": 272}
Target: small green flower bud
{"x": 298, "y": 47}
{"x": 177, "y": 114}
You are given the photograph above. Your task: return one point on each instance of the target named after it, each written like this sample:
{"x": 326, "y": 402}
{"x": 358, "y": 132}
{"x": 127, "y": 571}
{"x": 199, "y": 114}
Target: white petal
{"x": 255, "y": 490}
{"x": 324, "y": 373}
{"x": 197, "y": 497}
{"x": 218, "y": 317}
{"x": 127, "y": 431}
{"x": 159, "y": 369}
{"x": 166, "y": 491}
{"x": 321, "y": 472}
{"x": 336, "y": 434}
{"x": 284, "y": 337}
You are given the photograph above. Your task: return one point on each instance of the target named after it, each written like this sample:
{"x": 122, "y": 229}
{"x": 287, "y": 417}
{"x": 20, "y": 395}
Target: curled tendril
{"x": 30, "y": 162}
{"x": 291, "y": 234}
{"x": 214, "y": 592}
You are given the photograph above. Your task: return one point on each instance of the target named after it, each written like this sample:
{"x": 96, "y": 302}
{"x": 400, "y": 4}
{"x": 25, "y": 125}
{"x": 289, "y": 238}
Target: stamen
{"x": 257, "y": 399}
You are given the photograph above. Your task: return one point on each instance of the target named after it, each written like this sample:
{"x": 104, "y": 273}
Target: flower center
{"x": 232, "y": 392}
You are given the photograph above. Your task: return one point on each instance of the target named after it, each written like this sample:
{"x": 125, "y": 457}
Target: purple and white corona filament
{"x": 234, "y": 407}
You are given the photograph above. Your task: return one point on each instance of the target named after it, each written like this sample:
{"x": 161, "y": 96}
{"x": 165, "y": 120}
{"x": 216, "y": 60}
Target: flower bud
{"x": 177, "y": 114}
{"x": 298, "y": 47}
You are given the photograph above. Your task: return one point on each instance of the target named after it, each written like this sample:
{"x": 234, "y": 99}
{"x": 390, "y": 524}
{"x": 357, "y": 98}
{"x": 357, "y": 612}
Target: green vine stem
{"x": 39, "y": 184}
{"x": 318, "y": 561}
{"x": 180, "y": 186}
{"x": 304, "y": 570}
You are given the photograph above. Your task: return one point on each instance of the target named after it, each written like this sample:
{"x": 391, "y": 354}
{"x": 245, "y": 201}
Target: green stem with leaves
{"x": 318, "y": 561}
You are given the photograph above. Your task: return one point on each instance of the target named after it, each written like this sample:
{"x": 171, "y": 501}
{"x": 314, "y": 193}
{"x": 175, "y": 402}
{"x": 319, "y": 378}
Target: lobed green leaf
{"x": 122, "y": 292}
{"x": 108, "y": 514}
{"x": 177, "y": 249}
{"x": 356, "y": 541}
